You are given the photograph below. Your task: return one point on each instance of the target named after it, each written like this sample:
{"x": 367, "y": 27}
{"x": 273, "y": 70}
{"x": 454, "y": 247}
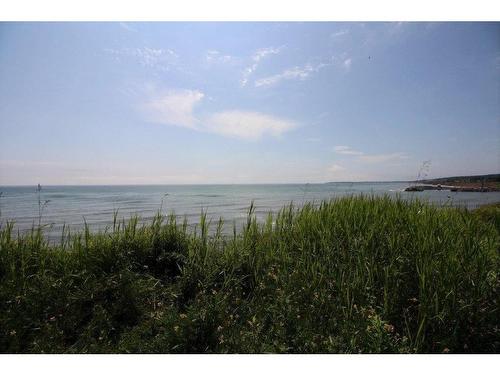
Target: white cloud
{"x": 158, "y": 58}
{"x": 247, "y": 125}
{"x": 347, "y": 63}
{"x": 213, "y": 56}
{"x": 300, "y": 73}
{"x": 256, "y": 58}
{"x": 346, "y": 150}
{"x": 174, "y": 108}
{"x": 293, "y": 73}
{"x": 339, "y": 33}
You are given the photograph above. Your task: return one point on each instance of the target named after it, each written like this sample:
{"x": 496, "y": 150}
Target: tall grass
{"x": 354, "y": 275}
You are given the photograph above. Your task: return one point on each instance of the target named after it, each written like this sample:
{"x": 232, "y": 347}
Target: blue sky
{"x": 139, "y": 103}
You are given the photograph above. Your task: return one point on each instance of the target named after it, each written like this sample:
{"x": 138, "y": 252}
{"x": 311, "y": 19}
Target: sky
{"x": 190, "y": 103}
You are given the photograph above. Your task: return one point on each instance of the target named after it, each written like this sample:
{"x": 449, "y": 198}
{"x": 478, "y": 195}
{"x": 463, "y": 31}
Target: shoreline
{"x": 478, "y": 183}
{"x": 471, "y": 187}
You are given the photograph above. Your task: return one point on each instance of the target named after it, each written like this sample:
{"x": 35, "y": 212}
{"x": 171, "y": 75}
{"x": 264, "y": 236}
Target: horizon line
{"x": 211, "y": 184}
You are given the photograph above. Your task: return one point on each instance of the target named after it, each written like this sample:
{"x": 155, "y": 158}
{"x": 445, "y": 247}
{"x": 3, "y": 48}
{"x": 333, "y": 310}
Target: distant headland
{"x": 478, "y": 183}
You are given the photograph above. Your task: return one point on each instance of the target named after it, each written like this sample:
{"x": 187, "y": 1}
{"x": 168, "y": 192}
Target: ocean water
{"x": 74, "y": 205}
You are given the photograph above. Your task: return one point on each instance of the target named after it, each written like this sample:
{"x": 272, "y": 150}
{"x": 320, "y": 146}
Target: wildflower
{"x": 183, "y": 316}
{"x": 389, "y": 328}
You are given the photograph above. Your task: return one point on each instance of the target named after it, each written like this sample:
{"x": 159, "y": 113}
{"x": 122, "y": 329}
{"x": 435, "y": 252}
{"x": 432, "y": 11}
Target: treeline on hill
{"x": 354, "y": 275}
{"x": 487, "y": 178}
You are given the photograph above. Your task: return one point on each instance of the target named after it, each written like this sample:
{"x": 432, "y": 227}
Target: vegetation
{"x": 490, "y": 213}
{"x": 354, "y": 275}
{"x": 491, "y": 180}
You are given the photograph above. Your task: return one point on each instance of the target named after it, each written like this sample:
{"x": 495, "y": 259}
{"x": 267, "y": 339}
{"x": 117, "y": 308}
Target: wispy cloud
{"x": 335, "y": 168}
{"x": 28, "y": 171}
{"x": 33, "y": 163}
{"x": 126, "y": 26}
{"x": 373, "y": 158}
{"x": 346, "y": 150}
{"x": 215, "y": 57}
{"x": 305, "y": 72}
{"x": 247, "y": 125}
{"x": 339, "y": 33}
{"x": 337, "y": 172}
{"x": 347, "y": 63}
{"x": 299, "y": 73}
{"x": 256, "y": 58}
{"x": 163, "y": 59}
{"x": 381, "y": 158}
{"x": 176, "y": 108}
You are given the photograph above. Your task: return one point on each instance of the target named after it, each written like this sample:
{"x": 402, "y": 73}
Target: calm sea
{"x": 71, "y": 205}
